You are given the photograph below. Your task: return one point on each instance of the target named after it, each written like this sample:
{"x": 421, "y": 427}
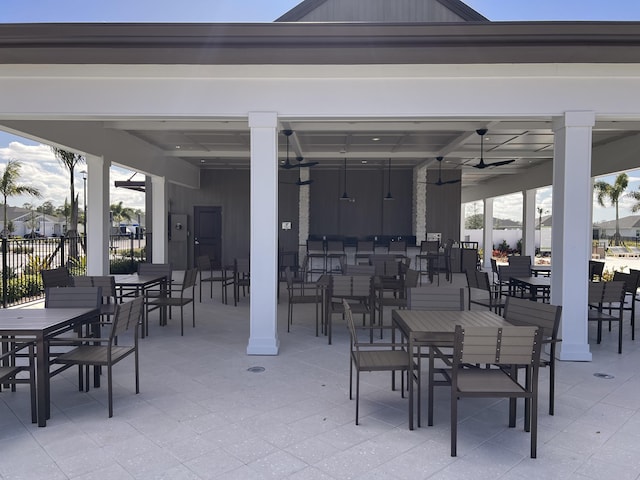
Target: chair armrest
{"x": 74, "y": 341}
{"x": 16, "y": 348}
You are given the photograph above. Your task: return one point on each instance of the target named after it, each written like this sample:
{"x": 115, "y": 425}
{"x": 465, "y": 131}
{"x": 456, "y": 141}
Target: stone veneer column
{"x": 304, "y": 198}
{"x": 420, "y": 203}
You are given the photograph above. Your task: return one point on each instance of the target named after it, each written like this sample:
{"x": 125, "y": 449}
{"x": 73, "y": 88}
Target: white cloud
{"x": 42, "y": 170}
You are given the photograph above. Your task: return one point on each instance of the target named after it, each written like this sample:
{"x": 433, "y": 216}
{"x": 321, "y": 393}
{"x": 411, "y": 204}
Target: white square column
{"x": 529, "y": 223}
{"x": 97, "y": 215}
{"x": 159, "y": 220}
{"x": 487, "y": 233}
{"x": 571, "y": 235}
{"x": 263, "y": 338}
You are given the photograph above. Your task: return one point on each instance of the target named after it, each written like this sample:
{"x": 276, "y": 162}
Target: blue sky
{"x": 268, "y": 10}
{"x": 54, "y": 185}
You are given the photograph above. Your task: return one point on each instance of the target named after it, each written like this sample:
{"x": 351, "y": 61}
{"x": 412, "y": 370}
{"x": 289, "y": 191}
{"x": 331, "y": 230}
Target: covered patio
{"x": 199, "y": 109}
{"x": 202, "y": 413}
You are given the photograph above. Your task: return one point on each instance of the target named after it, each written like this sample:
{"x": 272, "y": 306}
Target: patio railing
{"x": 23, "y": 259}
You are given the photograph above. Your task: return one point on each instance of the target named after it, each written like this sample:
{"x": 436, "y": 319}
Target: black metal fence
{"x": 23, "y": 259}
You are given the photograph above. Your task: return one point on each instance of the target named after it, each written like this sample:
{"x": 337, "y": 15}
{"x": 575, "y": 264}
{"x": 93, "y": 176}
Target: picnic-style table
{"x": 40, "y": 325}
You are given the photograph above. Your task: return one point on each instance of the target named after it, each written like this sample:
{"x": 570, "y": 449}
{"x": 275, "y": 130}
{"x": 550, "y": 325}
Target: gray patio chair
{"x": 103, "y": 352}
{"x": 606, "y": 304}
{"x": 56, "y": 277}
{"x": 368, "y": 356}
{"x": 520, "y": 311}
{"x": 207, "y": 275}
{"x": 297, "y": 295}
{"x": 12, "y": 372}
{"x": 74, "y": 297}
{"x": 434, "y": 299}
{"x": 179, "y": 299}
{"x": 504, "y": 347}
{"x": 478, "y": 281}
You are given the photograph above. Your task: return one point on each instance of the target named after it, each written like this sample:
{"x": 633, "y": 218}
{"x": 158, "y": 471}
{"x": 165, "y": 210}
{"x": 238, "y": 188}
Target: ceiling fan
{"x": 288, "y": 165}
{"x": 440, "y": 182}
{"x": 482, "y": 132}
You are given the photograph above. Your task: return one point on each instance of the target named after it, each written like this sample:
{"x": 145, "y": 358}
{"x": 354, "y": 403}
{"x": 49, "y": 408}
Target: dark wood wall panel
{"x": 367, "y": 213}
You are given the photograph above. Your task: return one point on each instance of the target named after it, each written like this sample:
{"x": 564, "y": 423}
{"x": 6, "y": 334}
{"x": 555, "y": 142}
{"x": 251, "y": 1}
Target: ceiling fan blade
{"x": 304, "y": 182}
{"x": 482, "y": 165}
{"x": 498, "y": 164}
{"x": 450, "y": 182}
{"x": 307, "y": 164}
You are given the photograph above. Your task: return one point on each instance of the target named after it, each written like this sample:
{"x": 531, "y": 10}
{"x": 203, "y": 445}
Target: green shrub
{"x": 123, "y": 265}
{"x": 27, "y": 286}
{"x": 34, "y": 264}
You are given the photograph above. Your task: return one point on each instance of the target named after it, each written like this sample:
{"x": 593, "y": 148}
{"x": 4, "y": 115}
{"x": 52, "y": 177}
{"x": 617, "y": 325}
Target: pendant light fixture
{"x": 345, "y": 195}
{"x": 389, "y": 196}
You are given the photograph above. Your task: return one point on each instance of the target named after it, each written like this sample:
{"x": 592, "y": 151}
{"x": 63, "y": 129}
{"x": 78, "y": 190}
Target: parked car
{"x": 33, "y": 235}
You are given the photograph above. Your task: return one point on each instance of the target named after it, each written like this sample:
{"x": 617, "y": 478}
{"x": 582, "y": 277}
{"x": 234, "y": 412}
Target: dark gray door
{"x": 207, "y": 233}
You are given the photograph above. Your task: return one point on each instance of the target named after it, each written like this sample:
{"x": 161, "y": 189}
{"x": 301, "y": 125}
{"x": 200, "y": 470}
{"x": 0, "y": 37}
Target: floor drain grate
{"x": 255, "y": 369}
{"x": 603, "y": 375}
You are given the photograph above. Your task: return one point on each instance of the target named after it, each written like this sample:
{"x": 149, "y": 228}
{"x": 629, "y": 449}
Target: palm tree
{"x": 70, "y": 160}
{"x": 10, "y": 187}
{"x": 121, "y": 213}
{"x": 636, "y": 196}
{"x": 613, "y": 192}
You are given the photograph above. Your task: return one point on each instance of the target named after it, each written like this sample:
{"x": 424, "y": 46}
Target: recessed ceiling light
{"x": 177, "y": 146}
{"x": 202, "y": 160}
{"x": 376, "y": 139}
{"x": 364, "y": 162}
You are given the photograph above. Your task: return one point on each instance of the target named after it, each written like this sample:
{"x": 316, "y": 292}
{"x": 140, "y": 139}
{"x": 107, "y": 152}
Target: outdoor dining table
{"x": 40, "y": 325}
{"x": 539, "y": 288}
{"x": 423, "y": 328}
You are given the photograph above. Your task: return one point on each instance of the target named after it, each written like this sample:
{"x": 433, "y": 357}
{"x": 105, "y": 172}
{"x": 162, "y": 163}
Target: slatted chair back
{"x": 368, "y": 270}
{"x": 364, "y": 247}
{"x": 435, "y": 299}
{"x": 630, "y": 281}
{"x": 56, "y": 277}
{"x": 596, "y": 269}
{"x": 203, "y": 263}
{"x": 108, "y": 285}
{"x": 315, "y": 247}
{"x": 155, "y": 269}
{"x": 594, "y": 294}
{"x": 429, "y": 246}
{"x": 351, "y": 286}
{"x": 128, "y": 315}
{"x": 519, "y": 311}
{"x": 613, "y": 292}
{"x": 523, "y": 312}
{"x": 189, "y": 280}
{"x": 411, "y": 278}
{"x": 73, "y": 297}
{"x": 82, "y": 281}
{"x": 471, "y": 280}
{"x": 506, "y": 345}
{"x": 520, "y": 260}
{"x": 399, "y": 246}
{"x": 505, "y": 272}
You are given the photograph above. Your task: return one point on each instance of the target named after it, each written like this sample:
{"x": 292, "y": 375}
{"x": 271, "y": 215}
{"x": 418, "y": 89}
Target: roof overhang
{"x": 320, "y": 43}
